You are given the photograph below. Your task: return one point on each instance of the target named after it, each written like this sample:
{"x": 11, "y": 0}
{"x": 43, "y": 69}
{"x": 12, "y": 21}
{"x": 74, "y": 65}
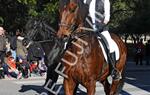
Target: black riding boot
{"x": 115, "y": 74}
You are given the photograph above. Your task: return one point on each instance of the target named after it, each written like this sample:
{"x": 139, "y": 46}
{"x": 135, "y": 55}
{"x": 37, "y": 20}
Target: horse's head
{"x": 72, "y": 17}
{"x": 38, "y": 30}
{"x": 38, "y": 35}
{"x": 68, "y": 19}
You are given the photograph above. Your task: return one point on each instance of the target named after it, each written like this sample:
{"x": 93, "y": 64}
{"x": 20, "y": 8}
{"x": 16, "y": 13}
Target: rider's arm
{"x": 106, "y": 11}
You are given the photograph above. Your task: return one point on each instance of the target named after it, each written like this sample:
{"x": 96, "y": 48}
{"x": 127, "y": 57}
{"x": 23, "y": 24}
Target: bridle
{"x": 30, "y": 41}
{"x": 72, "y": 27}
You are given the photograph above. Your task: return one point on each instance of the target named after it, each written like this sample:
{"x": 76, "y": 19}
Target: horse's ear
{"x": 65, "y": 7}
{"x": 72, "y": 6}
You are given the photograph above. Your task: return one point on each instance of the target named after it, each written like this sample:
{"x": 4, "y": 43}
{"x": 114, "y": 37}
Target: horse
{"x": 88, "y": 64}
{"x": 38, "y": 32}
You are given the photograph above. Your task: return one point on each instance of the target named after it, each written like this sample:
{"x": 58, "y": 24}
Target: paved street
{"x": 136, "y": 83}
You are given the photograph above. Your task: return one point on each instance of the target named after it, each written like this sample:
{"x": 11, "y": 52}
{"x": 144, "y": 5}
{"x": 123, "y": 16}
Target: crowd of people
{"x": 14, "y": 60}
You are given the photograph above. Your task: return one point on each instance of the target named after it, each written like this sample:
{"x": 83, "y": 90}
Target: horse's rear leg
{"x": 106, "y": 85}
{"x": 91, "y": 87}
{"x": 69, "y": 86}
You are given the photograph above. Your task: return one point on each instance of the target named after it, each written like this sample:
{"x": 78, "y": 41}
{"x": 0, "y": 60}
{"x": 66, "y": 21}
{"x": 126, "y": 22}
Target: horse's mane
{"x": 39, "y": 29}
{"x": 83, "y": 9}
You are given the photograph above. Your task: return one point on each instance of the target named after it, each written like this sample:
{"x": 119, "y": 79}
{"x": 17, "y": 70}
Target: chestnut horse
{"x": 90, "y": 65}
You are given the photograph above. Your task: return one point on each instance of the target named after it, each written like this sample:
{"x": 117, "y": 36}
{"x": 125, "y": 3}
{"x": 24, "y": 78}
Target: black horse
{"x": 38, "y": 32}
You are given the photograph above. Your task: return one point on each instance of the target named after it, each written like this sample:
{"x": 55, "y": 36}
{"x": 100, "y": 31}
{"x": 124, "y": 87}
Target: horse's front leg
{"x": 69, "y": 86}
{"x": 106, "y": 85}
{"x": 116, "y": 87}
{"x": 91, "y": 87}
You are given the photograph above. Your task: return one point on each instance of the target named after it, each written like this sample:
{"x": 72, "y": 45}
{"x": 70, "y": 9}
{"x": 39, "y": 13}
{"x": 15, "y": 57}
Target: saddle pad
{"x": 115, "y": 47}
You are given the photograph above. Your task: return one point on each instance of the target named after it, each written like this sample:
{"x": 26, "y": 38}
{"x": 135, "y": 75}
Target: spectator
{"x": 13, "y": 43}
{"x": 11, "y": 63}
{"x": 42, "y": 67}
{"x": 35, "y": 52}
{"x": 7, "y": 45}
{"x": 24, "y": 67}
{"x": 2, "y": 44}
{"x": 21, "y": 51}
{"x": 147, "y": 53}
{"x": 2, "y": 73}
{"x": 2, "y": 49}
{"x": 35, "y": 55}
{"x": 139, "y": 52}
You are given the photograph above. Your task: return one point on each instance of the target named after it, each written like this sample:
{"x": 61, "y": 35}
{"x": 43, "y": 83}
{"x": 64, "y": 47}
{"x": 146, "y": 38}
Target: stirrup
{"x": 115, "y": 74}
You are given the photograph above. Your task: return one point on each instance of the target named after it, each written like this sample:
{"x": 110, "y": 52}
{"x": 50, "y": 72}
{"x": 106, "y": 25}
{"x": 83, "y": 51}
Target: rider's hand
{"x": 105, "y": 21}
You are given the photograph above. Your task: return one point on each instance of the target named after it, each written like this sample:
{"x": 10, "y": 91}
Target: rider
{"x": 99, "y": 11}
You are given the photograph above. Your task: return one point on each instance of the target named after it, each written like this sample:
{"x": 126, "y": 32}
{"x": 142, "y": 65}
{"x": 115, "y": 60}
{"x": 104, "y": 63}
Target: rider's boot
{"x": 115, "y": 73}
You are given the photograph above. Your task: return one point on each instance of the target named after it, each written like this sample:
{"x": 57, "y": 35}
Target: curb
{"x": 29, "y": 78}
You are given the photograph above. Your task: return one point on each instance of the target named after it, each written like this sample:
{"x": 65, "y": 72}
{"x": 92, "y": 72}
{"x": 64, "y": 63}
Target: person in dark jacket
{"x": 147, "y": 53}
{"x": 139, "y": 52}
{"x": 35, "y": 52}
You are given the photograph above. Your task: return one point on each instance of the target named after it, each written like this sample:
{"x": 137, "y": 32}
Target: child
{"x": 12, "y": 70}
{"x": 23, "y": 66}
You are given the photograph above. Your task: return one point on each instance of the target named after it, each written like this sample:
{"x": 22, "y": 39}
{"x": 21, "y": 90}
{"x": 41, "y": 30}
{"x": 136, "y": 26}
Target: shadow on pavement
{"x": 38, "y": 89}
{"x": 41, "y": 89}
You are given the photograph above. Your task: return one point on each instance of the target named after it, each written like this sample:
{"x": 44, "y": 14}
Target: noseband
{"x": 71, "y": 27}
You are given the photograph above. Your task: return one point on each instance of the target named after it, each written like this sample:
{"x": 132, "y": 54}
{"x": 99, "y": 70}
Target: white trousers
{"x": 111, "y": 43}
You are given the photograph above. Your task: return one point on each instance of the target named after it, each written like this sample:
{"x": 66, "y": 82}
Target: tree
{"x": 15, "y": 13}
{"x": 46, "y": 9}
{"x": 127, "y": 16}
{"x": 135, "y": 16}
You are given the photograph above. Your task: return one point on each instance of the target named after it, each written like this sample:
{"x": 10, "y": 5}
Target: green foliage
{"x": 1, "y": 21}
{"x": 28, "y": 2}
{"x": 15, "y": 13}
{"x": 130, "y": 16}
{"x": 35, "y": 9}
{"x": 119, "y": 14}
{"x": 51, "y": 11}
{"x": 127, "y": 16}
{"x": 33, "y": 12}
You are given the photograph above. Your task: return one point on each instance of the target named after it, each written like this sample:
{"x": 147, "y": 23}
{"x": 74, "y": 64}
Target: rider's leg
{"x": 106, "y": 34}
{"x": 98, "y": 27}
{"x": 111, "y": 55}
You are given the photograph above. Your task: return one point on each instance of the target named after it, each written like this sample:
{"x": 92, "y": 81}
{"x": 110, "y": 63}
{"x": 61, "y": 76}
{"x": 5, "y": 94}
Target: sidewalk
{"x": 131, "y": 66}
